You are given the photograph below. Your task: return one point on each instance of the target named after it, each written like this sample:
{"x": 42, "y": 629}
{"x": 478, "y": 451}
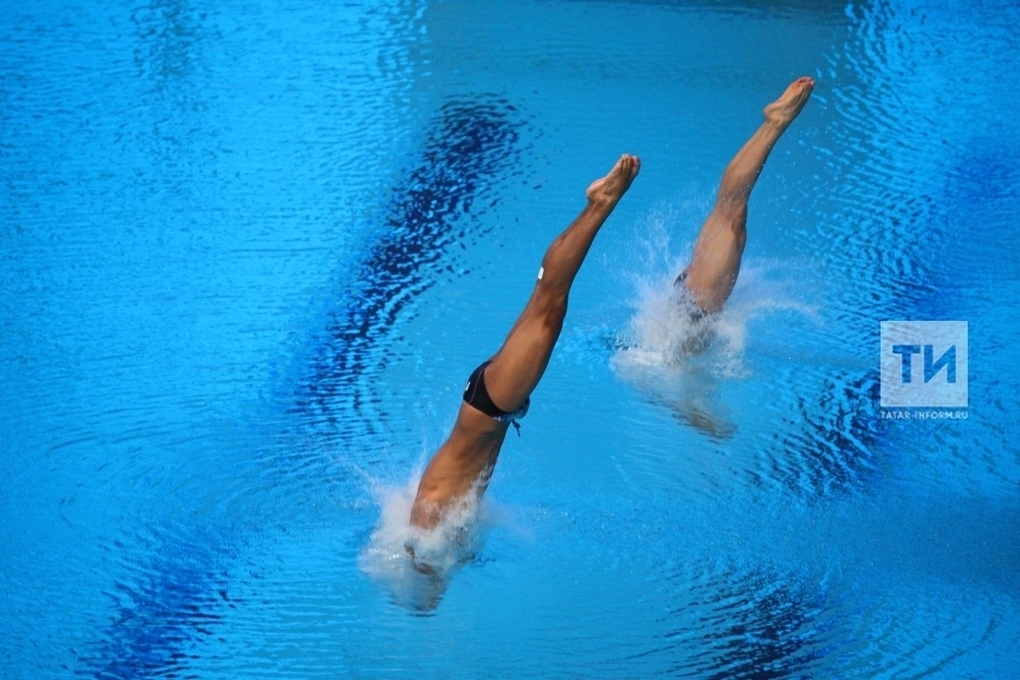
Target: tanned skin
{"x": 464, "y": 463}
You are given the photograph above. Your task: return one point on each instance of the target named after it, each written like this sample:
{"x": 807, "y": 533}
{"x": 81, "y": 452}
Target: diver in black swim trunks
{"x": 709, "y": 279}
{"x": 498, "y": 392}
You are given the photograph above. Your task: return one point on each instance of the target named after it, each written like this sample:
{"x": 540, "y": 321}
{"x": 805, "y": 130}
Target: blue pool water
{"x": 249, "y": 253}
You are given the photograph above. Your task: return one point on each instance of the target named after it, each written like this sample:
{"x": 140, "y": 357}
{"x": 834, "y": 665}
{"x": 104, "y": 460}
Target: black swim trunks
{"x": 476, "y": 395}
{"x": 694, "y": 311}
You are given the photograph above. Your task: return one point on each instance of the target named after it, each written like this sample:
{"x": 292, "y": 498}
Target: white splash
{"x": 412, "y": 564}
{"x": 666, "y": 330}
{"x": 677, "y": 355}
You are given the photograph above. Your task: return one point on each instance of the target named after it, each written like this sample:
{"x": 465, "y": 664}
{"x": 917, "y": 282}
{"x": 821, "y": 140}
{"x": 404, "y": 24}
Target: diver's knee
{"x": 740, "y": 233}
{"x": 554, "y": 311}
{"x": 732, "y": 212}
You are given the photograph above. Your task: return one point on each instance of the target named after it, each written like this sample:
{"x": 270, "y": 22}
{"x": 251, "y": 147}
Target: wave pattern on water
{"x": 166, "y": 606}
{"x": 832, "y": 446}
{"x": 750, "y": 624}
{"x": 472, "y": 141}
{"x": 913, "y": 236}
{"x": 175, "y": 602}
{"x": 817, "y": 541}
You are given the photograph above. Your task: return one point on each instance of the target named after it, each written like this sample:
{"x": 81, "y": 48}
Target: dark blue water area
{"x": 471, "y": 142}
{"x": 174, "y": 577}
{"x": 179, "y": 597}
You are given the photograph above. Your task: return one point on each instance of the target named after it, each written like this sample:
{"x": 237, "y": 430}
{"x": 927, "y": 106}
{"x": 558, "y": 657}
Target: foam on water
{"x": 678, "y": 355}
{"x": 418, "y": 582}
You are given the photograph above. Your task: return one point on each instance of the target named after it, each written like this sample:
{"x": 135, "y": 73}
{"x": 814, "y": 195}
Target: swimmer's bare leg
{"x": 715, "y": 264}
{"x": 521, "y": 361}
{"x": 464, "y": 462}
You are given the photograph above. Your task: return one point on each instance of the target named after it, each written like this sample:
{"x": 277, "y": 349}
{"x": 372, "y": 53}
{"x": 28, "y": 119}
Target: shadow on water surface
{"x": 177, "y": 600}
{"x": 178, "y": 596}
{"x": 910, "y": 249}
{"x": 756, "y": 617}
{"x": 472, "y": 142}
{"x": 832, "y": 446}
{"x": 761, "y": 626}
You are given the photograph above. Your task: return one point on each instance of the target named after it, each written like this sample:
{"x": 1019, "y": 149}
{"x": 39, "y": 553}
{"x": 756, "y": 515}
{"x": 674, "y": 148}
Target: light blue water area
{"x": 249, "y": 254}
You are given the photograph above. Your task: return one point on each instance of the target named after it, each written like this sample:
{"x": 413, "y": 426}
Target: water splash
{"x": 668, "y": 330}
{"x": 414, "y": 565}
{"x": 677, "y": 355}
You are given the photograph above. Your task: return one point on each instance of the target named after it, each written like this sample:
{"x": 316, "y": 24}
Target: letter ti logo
{"x": 931, "y": 366}
{"x": 938, "y": 375}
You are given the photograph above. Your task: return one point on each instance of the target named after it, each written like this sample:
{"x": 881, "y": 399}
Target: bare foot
{"x": 782, "y": 111}
{"x": 612, "y": 187}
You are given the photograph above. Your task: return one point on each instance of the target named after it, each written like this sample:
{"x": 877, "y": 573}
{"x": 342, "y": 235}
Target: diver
{"x": 706, "y": 283}
{"x": 498, "y": 391}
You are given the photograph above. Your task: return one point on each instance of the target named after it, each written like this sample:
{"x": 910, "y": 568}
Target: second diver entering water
{"x": 706, "y": 283}
{"x": 498, "y": 391}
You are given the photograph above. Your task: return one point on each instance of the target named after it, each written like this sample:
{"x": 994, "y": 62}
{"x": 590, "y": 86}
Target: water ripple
{"x": 471, "y": 141}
